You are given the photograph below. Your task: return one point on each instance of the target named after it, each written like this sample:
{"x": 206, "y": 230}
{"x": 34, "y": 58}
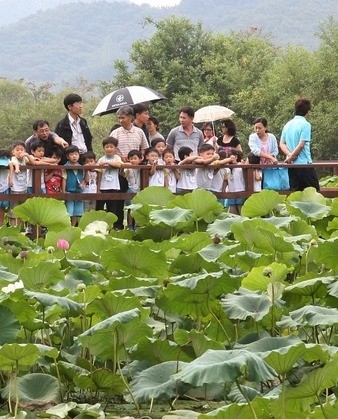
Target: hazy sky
{"x": 157, "y": 3}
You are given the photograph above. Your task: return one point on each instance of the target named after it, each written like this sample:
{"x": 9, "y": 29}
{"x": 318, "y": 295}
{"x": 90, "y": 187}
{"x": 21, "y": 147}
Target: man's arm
{"x": 291, "y": 155}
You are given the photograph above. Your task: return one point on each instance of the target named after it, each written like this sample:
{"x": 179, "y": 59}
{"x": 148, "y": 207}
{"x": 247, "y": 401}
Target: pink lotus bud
{"x": 62, "y": 244}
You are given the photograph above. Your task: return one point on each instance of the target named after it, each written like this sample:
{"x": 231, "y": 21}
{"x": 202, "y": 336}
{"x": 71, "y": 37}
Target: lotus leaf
{"x": 153, "y": 195}
{"x": 9, "y": 326}
{"x": 259, "y": 278}
{"x": 310, "y": 316}
{"x": 317, "y": 287}
{"x": 262, "y": 203}
{"x": 42, "y": 275}
{"x": 326, "y": 253}
{"x": 91, "y": 216}
{"x": 222, "y": 227}
{"x": 172, "y": 217}
{"x": 68, "y": 234}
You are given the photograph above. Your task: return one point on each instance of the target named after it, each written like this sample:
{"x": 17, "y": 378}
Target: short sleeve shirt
{"x": 178, "y": 138}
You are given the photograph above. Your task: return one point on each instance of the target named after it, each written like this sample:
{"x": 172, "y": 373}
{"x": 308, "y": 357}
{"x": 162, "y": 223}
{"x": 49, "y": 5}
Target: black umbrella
{"x": 127, "y": 96}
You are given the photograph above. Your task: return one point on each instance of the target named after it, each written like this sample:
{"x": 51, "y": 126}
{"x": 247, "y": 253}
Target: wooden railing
{"x": 248, "y": 175}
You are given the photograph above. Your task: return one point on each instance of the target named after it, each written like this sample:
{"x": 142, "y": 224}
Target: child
{"x": 235, "y": 182}
{"x": 17, "y": 176}
{"x": 220, "y": 174}
{"x": 160, "y": 145}
{"x": 156, "y": 177}
{"x": 170, "y": 175}
{"x": 73, "y": 182}
{"x": 133, "y": 176}
{"x": 53, "y": 177}
{"x": 257, "y": 181}
{"x": 35, "y": 158}
{"x": 108, "y": 177}
{"x": 4, "y": 181}
{"x": 187, "y": 180}
{"x": 89, "y": 159}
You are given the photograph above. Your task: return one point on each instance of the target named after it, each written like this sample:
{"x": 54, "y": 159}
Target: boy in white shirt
{"x": 156, "y": 176}
{"x": 235, "y": 182}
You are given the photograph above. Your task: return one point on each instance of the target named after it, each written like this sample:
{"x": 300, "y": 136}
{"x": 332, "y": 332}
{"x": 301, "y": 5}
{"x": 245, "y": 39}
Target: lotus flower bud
{"x": 62, "y": 244}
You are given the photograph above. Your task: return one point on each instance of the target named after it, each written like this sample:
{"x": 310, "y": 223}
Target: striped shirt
{"x": 133, "y": 139}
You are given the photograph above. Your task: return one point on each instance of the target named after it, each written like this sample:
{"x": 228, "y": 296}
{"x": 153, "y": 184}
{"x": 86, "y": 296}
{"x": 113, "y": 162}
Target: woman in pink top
{"x": 262, "y": 143}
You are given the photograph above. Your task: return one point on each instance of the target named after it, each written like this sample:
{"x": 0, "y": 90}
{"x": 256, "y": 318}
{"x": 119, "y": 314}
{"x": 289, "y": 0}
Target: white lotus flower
{"x": 13, "y": 287}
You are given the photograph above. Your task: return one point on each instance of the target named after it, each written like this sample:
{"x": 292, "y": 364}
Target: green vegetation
{"x": 238, "y": 312}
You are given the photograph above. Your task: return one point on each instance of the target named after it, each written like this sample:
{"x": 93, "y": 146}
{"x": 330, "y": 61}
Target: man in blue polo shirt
{"x": 186, "y": 134}
{"x": 295, "y": 144}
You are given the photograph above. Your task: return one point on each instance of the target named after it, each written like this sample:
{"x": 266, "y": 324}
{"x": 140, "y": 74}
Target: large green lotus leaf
{"x": 248, "y": 260}
{"x": 156, "y": 382}
{"x": 326, "y": 253}
{"x": 307, "y": 195}
{"x": 266, "y": 344}
{"x": 68, "y": 234}
{"x": 199, "y": 342}
{"x": 47, "y": 351}
{"x": 6, "y": 277}
{"x": 91, "y": 216}
{"x": 300, "y": 228}
{"x": 276, "y": 242}
{"x": 9, "y": 326}
{"x": 262, "y": 203}
{"x": 69, "y": 371}
{"x": 222, "y": 228}
{"x": 151, "y": 232}
{"x": 317, "y": 287}
{"x": 212, "y": 252}
{"x": 47, "y": 212}
{"x": 110, "y": 304}
{"x": 230, "y": 411}
{"x": 47, "y": 300}
{"x": 191, "y": 242}
{"x": 36, "y": 389}
{"x": 104, "y": 379}
{"x": 156, "y": 351}
{"x": 194, "y": 296}
{"x": 243, "y": 303}
{"x": 259, "y": 278}
{"x": 42, "y": 275}
{"x": 172, "y": 217}
{"x": 216, "y": 367}
{"x": 310, "y": 316}
{"x": 23, "y": 354}
{"x": 281, "y": 222}
{"x": 90, "y": 245}
{"x": 181, "y": 414}
{"x": 135, "y": 259}
{"x": 141, "y": 213}
{"x": 315, "y": 382}
{"x": 61, "y": 410}
{"x": 309, "y": 210}
{"x": 246, "y": 232}
{"x": 236, "y": 395}
{"x": 153, "y": 195}
{"x": 203, "y": 203}
{"x": 333, "y": 225}
{"x": 193, "y": 263}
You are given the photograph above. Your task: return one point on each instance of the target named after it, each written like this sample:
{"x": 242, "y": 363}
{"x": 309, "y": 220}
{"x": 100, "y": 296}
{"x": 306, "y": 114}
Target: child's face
{"x": 168, "y": 158}
{"x": 39, "y": 152}
{"x": 18, "y": 151}
{"x": 207, "y": 154}
{"x": 160, "y": 147}
{"x": 135, "y": 159}
{"x": 109, "y": 149}
{"x": 57, "y": 158}
{"x": 152, "y": 157}
{"x": 90, "y": 162}
{"x": 73, "y": 157}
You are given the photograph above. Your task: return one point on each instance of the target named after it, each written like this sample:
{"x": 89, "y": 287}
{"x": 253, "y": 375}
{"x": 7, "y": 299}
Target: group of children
{"x": 16, "y": 179}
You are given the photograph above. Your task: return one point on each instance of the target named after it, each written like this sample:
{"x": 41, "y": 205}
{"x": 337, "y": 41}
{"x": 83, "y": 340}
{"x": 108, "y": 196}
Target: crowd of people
{"x": 136, "y": 140}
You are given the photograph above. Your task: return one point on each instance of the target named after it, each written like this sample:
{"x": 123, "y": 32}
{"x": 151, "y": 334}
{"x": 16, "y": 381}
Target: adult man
{"x": 72, "y": 127}
{"x": 43, "y": 133}
{"x": 129, "y": 138}
{"x": 141, "y": 118}
{"x": 295, "y": 144}
{"x": 186, "y": 134}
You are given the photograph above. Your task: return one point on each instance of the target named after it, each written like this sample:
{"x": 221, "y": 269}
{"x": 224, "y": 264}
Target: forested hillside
{"x": 84, "y": 39}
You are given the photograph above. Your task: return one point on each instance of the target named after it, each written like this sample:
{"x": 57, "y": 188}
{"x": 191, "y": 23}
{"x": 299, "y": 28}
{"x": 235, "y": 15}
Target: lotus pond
{"x": 197, "y": 313}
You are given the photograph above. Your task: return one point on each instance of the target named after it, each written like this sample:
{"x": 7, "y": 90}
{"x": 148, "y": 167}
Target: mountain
{"x": 83, "y": 39}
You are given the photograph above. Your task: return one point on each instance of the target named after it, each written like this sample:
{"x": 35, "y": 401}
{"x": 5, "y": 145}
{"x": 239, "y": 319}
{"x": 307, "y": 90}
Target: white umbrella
{"x": 130, "y": 95}
{"x": 212, "y": 113}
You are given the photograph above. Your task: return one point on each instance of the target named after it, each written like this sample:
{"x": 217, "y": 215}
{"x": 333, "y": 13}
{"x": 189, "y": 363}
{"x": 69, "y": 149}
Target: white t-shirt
{"x": 187, "y": 181}
{"x": 218, "y": 180}
{"x": 110, "y": 175}
{"x": 20, "y": 179}
{"x": 133, "y": 177}
{"x": 204, "y": 177}
{"x": 171, "y": 179}
{"x": 157, "y": 179}
{"x": 236, "y": 182}
{"x": 91, "y": 186}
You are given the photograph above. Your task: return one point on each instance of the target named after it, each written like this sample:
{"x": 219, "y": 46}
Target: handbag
{"x": 276, "y": 178}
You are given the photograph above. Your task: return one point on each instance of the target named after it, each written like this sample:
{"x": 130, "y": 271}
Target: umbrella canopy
{"x": 126, "y": 96}
{"x": 212, "y": 113}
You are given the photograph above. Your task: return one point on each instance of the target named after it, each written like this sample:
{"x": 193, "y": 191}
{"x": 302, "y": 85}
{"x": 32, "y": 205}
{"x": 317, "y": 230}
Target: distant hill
{"x": 83, "y": 39}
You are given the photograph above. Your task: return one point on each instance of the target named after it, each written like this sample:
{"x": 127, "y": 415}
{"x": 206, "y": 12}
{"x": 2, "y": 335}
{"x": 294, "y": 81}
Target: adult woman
{"x": 209, "y": 134}
{"x": 228, "y": 138}
{"x": 262, "y": 143}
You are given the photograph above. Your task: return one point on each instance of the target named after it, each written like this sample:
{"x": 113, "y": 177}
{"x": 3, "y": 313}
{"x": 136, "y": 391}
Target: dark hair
{"x": 234, "y": 152}
{"x": 72, "y": 149}
{"x": 208, "y": 125}
{"x": 302, "y": 106}
{"x": 222, "y": 154}
{"x": 88, "y": 155}
{"x": 154, "y": 121}
{"x": 71, "y": 99}
{"x": 168, "y": 151}
{"x": 262, "y": 121}
{"x": 206, "y": 147}
{"x": 188, "y": 110}
{"x": 39, "y": 123}
{"x": 230, "y": 125}
{"x": 17, "y": 143}
{"x": 125, "y": 110}
{"x": 37, "y": 144}
{"x": 151, "y": 149}
{"x": 57, "y": 151}
{"x": 139, "y": 108}
{"x": 183, "y": 152}
{"x": 252, "y": 159}
{"x": 110, "y": 140}
{"x": 115, "y": 126}
{"x": 134, "y": 153}
{"x": 155, "y": 141}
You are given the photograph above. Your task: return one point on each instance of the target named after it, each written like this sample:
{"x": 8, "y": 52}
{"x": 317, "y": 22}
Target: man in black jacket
{"x": 72, "y": 127}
